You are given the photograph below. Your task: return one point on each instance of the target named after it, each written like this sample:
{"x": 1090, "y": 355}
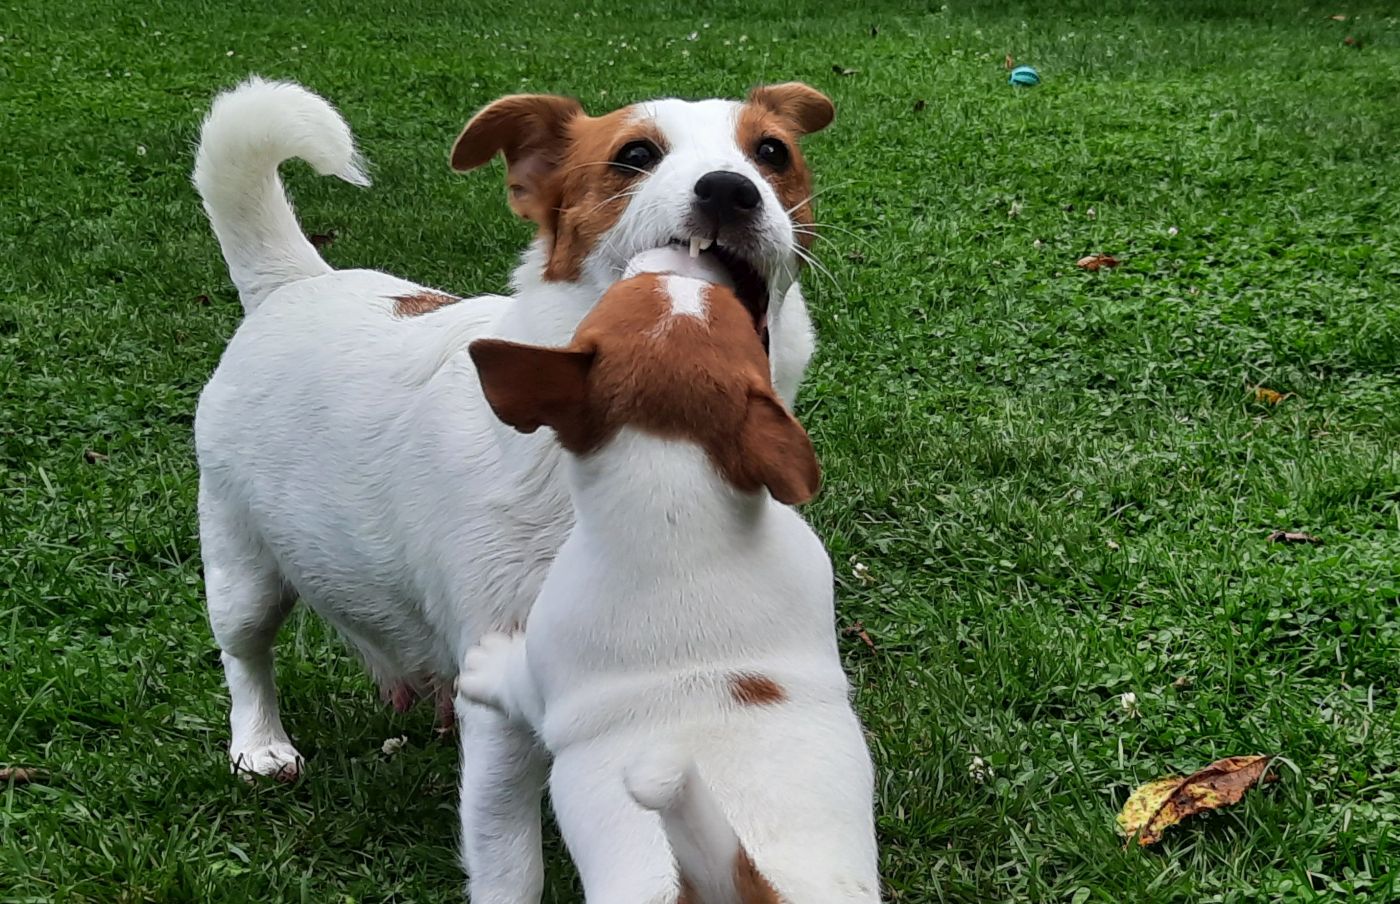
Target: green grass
{"x": 1058, "y": 482}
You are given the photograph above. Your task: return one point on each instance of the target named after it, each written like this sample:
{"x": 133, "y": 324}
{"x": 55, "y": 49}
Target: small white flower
{"x": 140, "y": 150}
{"x": 1128, "y": 703}
{"x": 230, "y": 53}
{"x": 694, "y": 35}
{"x": 979, "y": 771}
{"x": 1037, "y": 243}
{"x": 392, "y": 746}
{"x": 1172, "y": 230}
{"x": 1091, "y": 213}
{"x": 743, "y": 39}
{"x": 1015, "y": 209}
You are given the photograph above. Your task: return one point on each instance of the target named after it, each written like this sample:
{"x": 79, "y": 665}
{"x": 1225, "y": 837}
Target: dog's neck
{"x": 645, "y": 496}
{"x": 547, "y": 312}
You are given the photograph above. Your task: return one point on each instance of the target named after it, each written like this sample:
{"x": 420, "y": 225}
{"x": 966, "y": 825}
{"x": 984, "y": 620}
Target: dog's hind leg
{"x": 248, "y": 601}
{"x": 503, "y": 778}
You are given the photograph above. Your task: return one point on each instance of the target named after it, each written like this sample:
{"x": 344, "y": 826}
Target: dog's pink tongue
{"x": 677, "y": 260}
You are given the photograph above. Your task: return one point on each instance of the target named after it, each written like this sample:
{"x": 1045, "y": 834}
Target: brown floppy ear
{"x": 530, "y": 386}
{"x": 805, "y": 108}
{"x": 777, "y": 452}
{"x": 531, "y": 130}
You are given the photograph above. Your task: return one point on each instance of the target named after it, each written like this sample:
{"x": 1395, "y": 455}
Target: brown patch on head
{"x": 785, "y": 113}
{"x": 750, "y": 689}
{"x": 422, "y": 302}
{"x": 559, "y": 168}
{"x": 591, "y": 192}
{"x": 636, "y": 362}
{"x": 530, "y": 131}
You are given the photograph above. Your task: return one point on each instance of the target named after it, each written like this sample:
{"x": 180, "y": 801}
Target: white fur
{"x": 347, "y": 458}
{"x": 687, "y": 296}
{"x": 700, "y": 836}
{"x": 247, "y": 133}
{"x": 671, "y": 583}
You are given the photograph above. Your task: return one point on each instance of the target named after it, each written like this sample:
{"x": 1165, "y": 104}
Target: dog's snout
{"x": 726, "y": 197}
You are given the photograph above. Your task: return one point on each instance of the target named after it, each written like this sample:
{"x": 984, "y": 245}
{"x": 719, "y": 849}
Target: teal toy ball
{"x": 1025, "y": 76}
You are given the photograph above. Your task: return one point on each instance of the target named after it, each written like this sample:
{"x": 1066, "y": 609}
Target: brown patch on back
{"x": 422, "y": 302}
{"x": 750, "y": 689}
{"x": 633, "y": 363}
{"x": 785, "y": 112}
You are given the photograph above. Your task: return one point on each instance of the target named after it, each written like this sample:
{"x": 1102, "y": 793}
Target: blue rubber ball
{"x": 1025, "y": 76}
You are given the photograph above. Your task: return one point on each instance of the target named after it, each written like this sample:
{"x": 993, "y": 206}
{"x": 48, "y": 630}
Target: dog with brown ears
{"x": 681, "y": 656}
{"x": 347, "y": 456}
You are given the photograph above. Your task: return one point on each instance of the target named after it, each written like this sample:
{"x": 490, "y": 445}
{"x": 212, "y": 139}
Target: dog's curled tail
{"x": 249, "y": 131}
{"x": 714, "y": 868}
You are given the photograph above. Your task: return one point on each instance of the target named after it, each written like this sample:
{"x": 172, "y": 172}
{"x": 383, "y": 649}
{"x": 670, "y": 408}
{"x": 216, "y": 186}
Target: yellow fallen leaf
{"x": 1160, "y": 804}
{"x": 1265, "y": 396}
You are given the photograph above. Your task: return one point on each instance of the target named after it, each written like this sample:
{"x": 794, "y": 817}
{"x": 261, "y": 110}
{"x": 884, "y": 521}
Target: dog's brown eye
{"x": 637, "y": 156}
{"x": 772, "y": 152}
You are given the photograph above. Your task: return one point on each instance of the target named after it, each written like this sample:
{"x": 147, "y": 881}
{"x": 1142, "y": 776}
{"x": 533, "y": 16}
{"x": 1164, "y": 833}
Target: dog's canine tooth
{"x": 695, "y": 246}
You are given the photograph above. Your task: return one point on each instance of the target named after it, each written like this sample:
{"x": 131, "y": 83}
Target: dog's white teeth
{"x": 695, "y": 246}
{"x": 704, "y": 245}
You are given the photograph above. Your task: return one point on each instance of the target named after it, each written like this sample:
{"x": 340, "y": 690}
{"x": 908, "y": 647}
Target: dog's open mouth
{"x": 749, "y": 284}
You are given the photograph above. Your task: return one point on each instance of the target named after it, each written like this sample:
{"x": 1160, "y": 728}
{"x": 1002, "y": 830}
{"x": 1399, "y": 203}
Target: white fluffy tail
{"x": 707, "y": 850}
{"x": 248, "y": 133}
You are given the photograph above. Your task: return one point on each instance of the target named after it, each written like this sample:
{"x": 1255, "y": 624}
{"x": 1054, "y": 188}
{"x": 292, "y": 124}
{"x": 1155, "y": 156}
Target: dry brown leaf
{"x": 1010, "y": 62}
{"x": 1097, "y": 262}
{"x": 1293, "y": 536}
{"x": 92, "y": 457}
{"x": 1163, "y": 803}
{"x": 1339, "y": 18}
{"x": 20, "y": 775}
{"x": 321, "y": 239}
{"x": 858, "y": 630}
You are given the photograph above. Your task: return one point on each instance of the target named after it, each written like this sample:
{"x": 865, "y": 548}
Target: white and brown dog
{"x": 682, "y": 652}
{"x": 346, "y": 454}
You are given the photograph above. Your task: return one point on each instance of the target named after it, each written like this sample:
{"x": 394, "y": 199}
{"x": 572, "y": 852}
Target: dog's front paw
{"x": 273, "y": 759}
{"x": 486, "y": 669}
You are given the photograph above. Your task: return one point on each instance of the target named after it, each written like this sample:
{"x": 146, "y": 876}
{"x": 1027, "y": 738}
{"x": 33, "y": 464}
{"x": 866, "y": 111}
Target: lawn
{"x": 1046, "y": 488}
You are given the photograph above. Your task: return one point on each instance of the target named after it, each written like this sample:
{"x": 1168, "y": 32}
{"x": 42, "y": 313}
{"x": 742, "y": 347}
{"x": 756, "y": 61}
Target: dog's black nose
{"x": 726, "y": 197}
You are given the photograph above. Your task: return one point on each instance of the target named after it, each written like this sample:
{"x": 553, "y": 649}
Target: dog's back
{"x": 690, "y": 608}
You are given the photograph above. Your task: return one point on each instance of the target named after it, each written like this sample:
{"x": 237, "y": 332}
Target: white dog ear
{"x": 531, "y": 130}
{"x": 777, "y": 452}
{"x": 530, "y": 386}
{"x": 805, "y": 108}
